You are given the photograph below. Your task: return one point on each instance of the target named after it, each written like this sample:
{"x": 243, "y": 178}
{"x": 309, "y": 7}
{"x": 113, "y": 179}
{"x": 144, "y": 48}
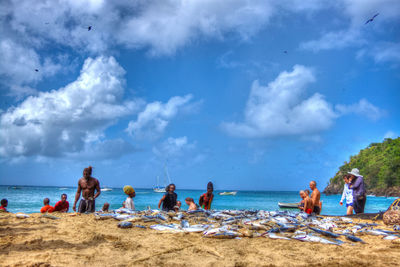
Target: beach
{"x": 82, "y": 240}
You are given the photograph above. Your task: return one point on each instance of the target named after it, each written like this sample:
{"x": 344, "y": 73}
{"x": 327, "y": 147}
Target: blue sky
{"x": 203, "y": 86}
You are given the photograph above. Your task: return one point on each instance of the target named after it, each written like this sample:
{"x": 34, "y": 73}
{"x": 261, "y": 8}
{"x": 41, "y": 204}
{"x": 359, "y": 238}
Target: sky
{"x": 252, "y": 95}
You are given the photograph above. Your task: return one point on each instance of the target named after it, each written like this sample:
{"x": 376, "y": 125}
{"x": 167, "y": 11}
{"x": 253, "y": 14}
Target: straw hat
{"x": 128, "y": 189}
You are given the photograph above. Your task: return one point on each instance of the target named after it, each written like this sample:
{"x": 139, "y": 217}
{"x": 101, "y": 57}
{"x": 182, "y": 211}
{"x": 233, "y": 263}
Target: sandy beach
{"x": 82, "y": 240}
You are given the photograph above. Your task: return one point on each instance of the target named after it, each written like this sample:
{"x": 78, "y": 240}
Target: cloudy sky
{"x": 262, "y": 95}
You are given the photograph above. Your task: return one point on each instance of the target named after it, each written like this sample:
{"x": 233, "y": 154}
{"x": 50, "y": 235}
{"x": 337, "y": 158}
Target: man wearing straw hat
{"x": 358, "y": 186}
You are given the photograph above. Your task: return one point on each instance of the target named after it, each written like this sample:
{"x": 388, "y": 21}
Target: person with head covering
{"x": 169, "y": 199}
{"x": 359, "y": 192}
{"x": 207, "y": 198}
{"x": 88, "y": 185}
{"x": 129, "y": 204}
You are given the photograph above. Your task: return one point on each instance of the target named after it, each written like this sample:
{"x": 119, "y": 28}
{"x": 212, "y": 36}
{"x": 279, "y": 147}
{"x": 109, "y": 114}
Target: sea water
{"x": 29, "y": 199}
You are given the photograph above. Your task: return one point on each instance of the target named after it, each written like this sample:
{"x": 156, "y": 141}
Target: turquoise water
{"x": 29, "y": 199}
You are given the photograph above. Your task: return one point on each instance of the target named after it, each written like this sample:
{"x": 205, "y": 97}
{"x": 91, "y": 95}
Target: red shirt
{"x": 3, "y": 208}
{"x": 60, "y": 206}
{"x": 47, "y": 208}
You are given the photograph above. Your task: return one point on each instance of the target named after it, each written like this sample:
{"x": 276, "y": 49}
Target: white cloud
{"x": 382, "y": 52}
{"x": 363, "y": 107}
{"x": 18, "y": 67}
{"x": 173, "y": 147}
{"x": 65, "y": 120}
{"x": 391, "y": 135}
{"x": 356, "y": 12}
{"x": 153, "y": 120}
{"x": 282, "y": 108}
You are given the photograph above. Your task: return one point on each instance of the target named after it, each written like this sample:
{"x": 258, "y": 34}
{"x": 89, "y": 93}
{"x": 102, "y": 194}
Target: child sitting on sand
{"x": 46, "y": 207}
{"x": 4, "y": 204}
{"x": 106, "y": 206}
{"x": 129, "y": 200}
{"x": 190, "y": 202}
{"x": 347, "y": 195}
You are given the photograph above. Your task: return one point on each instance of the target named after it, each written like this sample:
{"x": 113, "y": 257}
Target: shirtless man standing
{"x": 315, "y": 196}
{"x": 87, "y": 184}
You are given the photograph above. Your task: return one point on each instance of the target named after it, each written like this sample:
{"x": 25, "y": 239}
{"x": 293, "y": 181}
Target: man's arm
{"x": 161, "y": 200}
{"x": 77, "y": 195}
{"x": 97, "y": 189}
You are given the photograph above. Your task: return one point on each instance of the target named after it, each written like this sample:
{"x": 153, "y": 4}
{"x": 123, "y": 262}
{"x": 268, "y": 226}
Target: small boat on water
{"x": 233, "y": 193}
{"x": 105, "y": 189}
{"x": 167, "y": 180}
{"x": 288, "y": 205}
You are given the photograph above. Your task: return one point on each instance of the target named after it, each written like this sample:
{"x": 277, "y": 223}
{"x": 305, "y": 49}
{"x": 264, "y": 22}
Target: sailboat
{"x": 159, "y": 188}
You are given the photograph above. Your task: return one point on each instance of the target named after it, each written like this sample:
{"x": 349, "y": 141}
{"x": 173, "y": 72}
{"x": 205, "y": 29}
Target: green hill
{"x": 379, "y": 163}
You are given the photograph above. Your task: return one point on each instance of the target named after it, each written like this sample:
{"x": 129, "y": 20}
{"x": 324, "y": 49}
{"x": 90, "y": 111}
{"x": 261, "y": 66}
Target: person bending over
{"x": 190, "y": 202}
{"x": 87, "y": 185}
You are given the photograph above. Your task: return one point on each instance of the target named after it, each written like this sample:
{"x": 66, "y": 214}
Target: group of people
{"x": 89, "y": 189}
{"x": 354, "y": 193}
{"x": 311, "y": 203}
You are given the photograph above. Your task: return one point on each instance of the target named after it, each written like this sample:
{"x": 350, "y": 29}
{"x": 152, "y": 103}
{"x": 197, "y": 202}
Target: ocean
{"x": 29, "y": 199}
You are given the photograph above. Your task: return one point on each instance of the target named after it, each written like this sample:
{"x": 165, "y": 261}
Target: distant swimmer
{"x": 87, "y": 185}
{"x": 207, "y": 198}
{"x": 4, "y": 204}
{"x": 46, "y": 206}
{"x": 62, "y": 205}
{"x": 315, "y": 197}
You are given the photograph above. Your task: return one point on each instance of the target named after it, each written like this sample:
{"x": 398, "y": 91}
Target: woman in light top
{"x": 347, "y": 195}
{"x": 129, "y": 204}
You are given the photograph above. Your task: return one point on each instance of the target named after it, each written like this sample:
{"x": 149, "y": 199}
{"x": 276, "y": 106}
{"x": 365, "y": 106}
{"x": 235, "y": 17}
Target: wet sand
{"x": 82, "y": 240}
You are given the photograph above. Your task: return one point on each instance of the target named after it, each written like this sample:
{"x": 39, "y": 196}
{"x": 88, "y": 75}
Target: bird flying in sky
{"x": 371, "y": 19}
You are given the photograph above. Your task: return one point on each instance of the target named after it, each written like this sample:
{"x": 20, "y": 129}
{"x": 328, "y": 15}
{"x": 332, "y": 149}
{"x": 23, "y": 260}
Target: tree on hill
{"x": 379, "y": 163}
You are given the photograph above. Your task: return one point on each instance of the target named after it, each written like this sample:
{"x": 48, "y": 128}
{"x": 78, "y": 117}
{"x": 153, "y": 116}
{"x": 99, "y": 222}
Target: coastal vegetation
{"x": 379, "y": 163}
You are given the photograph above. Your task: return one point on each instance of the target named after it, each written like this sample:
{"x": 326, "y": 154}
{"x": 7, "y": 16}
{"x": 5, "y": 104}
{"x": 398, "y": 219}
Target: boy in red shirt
{"x": 4, "y": 204}
{"x": 46, "y": 207}
{"x": 62, "y": 205}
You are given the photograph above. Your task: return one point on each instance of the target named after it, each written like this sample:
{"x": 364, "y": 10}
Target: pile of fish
{"x": 229, "y": 224}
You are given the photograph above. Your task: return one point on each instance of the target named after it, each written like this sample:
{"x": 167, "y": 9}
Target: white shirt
{"x": 129, "y": 203}
{"x": 347, "y": 194}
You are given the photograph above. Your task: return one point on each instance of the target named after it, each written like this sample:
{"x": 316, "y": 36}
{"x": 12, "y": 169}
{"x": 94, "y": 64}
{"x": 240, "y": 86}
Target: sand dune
{"x": 82, "y": 240}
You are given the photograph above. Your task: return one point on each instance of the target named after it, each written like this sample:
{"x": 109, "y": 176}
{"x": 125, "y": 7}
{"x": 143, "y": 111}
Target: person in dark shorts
{"x": 315, "y": 197}
{"x": 359, "y": 192}
{"x": 169, "y": 199}
{"x": 88, "y": 186}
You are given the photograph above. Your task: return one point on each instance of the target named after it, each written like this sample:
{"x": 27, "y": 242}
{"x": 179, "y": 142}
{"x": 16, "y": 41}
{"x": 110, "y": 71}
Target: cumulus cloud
{"x": 356, "y": 12}
{"x": 64, "y": 121}
{"x": 282, "y": 108}
{"x": 153, "y": 120}
{"x": 173, "y": 147}
{"x": 18, "y": 67}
